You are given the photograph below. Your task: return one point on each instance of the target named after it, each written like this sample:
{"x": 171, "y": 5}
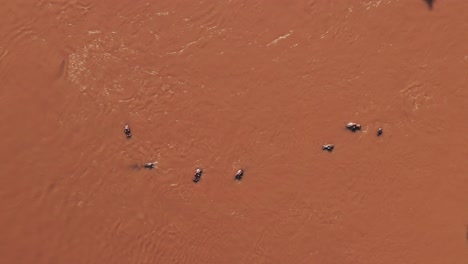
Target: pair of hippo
{"x": 198, "y": 174}
{"x": 128, "y": 134}
{"x": 353, "y": 127}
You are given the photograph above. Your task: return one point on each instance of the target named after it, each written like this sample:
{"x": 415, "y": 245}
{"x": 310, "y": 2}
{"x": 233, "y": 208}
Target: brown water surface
{"x": 223, "y": 85}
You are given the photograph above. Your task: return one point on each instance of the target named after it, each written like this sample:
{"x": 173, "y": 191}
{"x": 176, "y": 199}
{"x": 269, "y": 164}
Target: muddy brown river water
{"x": 225, "y": 85}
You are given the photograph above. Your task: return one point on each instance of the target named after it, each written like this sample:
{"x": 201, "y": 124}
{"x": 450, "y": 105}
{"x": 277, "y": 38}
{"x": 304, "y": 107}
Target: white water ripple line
{"x": 185, "y": 47}
{"x": 280, "y": 38}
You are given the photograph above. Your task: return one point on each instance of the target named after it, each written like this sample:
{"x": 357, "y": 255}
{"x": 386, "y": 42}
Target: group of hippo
{"x": 353, "y": 127}
{"x": 198, "y": 172}
{"x": 240, "y": 173}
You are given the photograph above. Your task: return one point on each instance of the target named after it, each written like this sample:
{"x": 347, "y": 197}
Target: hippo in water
{"x": 328, "y": 147}
{"x": 149, "y": 165}
{"x": 379, "y": 132}
{"x": 353, "y": 126}
{"x": 198, "y": 174}
{"x": 239, "y": 175}
{"x": 127, "y": 131}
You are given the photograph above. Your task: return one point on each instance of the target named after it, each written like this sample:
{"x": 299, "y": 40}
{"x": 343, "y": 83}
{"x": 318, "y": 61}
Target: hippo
{"x": 379, "y": 132}
{"x": 198, "y": 174}
{"x": 149, "y": 165}
{"x": 353, "y": 126}
{"x": 328, "y": 147}
{"x": 127, "y": 131}
{"x": 239, "y": 175}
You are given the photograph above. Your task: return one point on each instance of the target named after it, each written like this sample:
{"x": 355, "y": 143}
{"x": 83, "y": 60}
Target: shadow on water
{"x": 430, "y": 3}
